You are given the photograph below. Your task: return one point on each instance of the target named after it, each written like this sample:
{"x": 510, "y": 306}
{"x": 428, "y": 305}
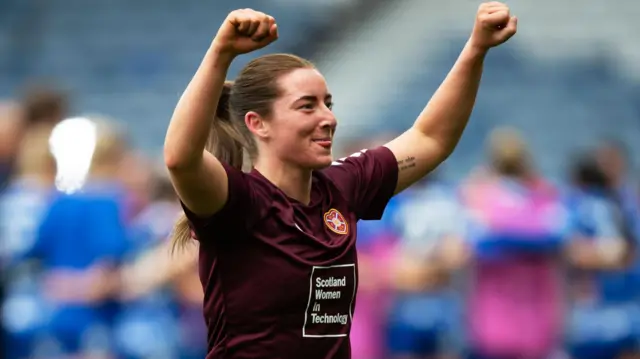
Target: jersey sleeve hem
{"x": 388, "y": 170}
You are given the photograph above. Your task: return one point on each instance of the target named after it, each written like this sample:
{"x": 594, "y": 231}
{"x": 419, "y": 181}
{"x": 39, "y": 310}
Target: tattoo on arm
{"x": 406, "y": 163}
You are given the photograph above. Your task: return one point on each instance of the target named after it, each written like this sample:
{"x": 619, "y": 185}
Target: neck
{"x": 294, "y": 181}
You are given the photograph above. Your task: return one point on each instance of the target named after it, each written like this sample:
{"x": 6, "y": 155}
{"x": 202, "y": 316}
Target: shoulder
{"x": 368, "y": 168}
{"x": 249, "y": 199}
{"x": 380, "y": 154}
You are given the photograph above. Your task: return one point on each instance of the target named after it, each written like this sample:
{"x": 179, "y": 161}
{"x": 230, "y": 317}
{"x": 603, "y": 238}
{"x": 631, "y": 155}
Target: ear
{"x": 257, "y": 124}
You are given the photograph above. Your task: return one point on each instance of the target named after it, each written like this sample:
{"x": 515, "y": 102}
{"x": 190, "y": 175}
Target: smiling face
{"x": 301, "y": 125}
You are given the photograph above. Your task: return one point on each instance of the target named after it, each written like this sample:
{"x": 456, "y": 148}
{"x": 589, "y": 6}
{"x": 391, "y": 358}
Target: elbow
{"x": 444, "y": 152}
{"x": 444, "y": 147}
{"x": 171, "y": 159}
{"x": 438, "y": 146}
{"x": 176, "y": 160}
{"x": 440, "y": 149}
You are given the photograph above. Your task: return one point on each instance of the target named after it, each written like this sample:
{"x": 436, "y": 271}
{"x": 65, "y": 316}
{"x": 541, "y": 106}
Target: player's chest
{"x": 318, "y": 234}
{"x": 315, "y": 299}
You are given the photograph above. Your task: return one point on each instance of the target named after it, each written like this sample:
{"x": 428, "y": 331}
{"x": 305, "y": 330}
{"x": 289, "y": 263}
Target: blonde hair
{"x": 508, "y": 152}
{"x": 110, "y": 146}
{"x": 506, "y": 142}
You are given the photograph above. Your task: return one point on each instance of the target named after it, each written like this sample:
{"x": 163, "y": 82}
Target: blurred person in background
{"x": 375, "y": 255}
{"x": 11, "y": 120}
{"x": 286, "y": 214}
{"x": 156, "y": 270}
{"x": 162, "y": 295}
{"x": 612, "y": 157}
{"x": 604, "y": 287}
{"x": 147, "y": 324}
{"x": 44, "y": 105}
{"x": 157, "y": 274}
{"x": 81, "y": 240}
{"x": 11, "y": 125}
{"x": 22, "y": 206}
{"x": 430, "y": 223}
{"x": 39, "y": 106}
{"x": 518, "y": 223}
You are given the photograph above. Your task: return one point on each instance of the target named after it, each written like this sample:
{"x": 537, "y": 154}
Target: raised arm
{"x": 437, "y": 130}
{"x": 198, "y": 177}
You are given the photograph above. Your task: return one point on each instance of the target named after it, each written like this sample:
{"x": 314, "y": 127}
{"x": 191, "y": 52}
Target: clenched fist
{"x": 494, "y": 25}
{"x": 244, "y": 31}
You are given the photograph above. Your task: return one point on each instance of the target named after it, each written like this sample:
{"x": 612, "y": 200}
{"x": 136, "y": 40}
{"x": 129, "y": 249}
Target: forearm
{"x": 410, "y": 276}
{"x": 585, "y": 254}
{"x": 192, "y": 118}
{"x": 437, "y": 130}
{"x": 156, "y": 268}
{"x": 447, "y": 113}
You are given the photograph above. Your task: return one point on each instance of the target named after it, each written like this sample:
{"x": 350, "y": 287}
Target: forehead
{"x": 303, "y": 82}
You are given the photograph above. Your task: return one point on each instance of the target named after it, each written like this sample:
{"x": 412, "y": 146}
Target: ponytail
{"x": 181, "y": 233}
{"x": 227, "y": 142}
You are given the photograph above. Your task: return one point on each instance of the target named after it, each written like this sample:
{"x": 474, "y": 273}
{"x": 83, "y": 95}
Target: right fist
{"x": 246, "y": 30}
{"x": 494, "y": 25}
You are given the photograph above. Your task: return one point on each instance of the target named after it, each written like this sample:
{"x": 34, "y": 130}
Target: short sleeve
{"x": 599, "y": 216}
{"x": 235, "y": 215}
{"x": 367, "y": 179}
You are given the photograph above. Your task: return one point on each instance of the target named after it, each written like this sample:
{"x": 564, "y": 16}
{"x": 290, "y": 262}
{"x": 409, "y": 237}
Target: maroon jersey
{"x": 280, "y": 277}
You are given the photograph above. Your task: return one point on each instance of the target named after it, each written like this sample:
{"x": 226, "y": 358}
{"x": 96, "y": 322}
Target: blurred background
{"x": 521, "y": 246}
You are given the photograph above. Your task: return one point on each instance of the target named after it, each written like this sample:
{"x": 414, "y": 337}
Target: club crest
{"x": 336, "y": 221}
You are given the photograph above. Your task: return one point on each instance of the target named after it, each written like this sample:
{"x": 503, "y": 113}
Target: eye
{"x": 307, "y": 106}
{"x": 329, "y": 105}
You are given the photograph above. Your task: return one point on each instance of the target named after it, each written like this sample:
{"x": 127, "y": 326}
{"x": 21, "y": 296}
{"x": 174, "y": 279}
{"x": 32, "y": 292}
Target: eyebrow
{"x": 313, "y": 98}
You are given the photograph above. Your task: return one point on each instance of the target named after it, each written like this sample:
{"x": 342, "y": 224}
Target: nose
{"x": 329, "y": 121}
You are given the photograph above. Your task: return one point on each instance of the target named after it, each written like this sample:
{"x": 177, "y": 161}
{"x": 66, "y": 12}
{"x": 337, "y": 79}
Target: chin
{"x": 320, "y": 162}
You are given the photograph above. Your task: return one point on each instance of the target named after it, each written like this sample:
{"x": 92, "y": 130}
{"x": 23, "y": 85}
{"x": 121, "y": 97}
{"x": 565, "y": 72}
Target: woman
{"x": 11, "y": 130}
{"x": 604, "y": 285}
{"x": 162, "y": 293}
{"x": 517, "y": 231}
{"x": 80, "y": 242}
{"x": 277, "y": 245}
{"x": 424, "y": 319}
{"x": 22, "y": 206}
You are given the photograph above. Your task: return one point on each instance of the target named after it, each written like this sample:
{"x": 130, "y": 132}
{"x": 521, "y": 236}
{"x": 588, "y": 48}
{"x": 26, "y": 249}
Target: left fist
{"x": 494, "y": 25}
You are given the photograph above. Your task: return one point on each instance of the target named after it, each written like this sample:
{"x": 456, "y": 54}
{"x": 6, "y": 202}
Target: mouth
{"x": 324, "y": 142}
